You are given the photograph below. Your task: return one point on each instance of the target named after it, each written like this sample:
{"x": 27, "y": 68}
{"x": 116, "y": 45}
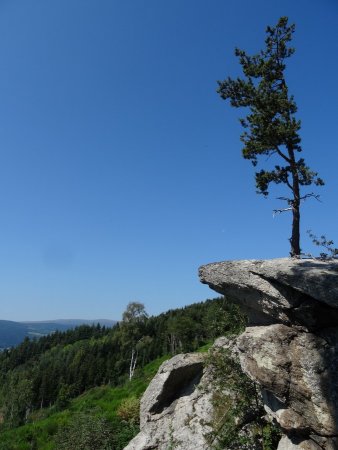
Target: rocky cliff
{"x": 178, "y": 409}
{"x": 290, "y": 347}
{"x": 174, "y": 411}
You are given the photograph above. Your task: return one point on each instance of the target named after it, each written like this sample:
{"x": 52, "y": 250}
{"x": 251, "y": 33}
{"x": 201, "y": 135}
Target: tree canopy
{"x": 271, "y": 127}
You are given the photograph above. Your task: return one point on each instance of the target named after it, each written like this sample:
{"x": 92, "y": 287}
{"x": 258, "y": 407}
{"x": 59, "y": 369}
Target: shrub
{"x": 86, "y": 431}
{"x": 237, "y": 408}
{"x": 129, "y": 410}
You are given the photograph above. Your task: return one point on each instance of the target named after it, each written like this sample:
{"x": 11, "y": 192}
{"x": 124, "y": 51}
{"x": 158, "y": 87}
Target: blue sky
{"x": 120, "y": 167}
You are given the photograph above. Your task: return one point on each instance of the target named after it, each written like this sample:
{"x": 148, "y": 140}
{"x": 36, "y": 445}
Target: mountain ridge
{"x": 68, "y": 321}
{"x": 12, "y": 332}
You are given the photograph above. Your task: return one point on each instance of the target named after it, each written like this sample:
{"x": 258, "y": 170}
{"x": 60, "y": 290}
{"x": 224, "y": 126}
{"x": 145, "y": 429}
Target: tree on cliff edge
{"x": 271, "y": 129}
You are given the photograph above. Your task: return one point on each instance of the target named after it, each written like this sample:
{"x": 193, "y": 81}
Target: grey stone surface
{"x": 285, "y": 290}
{"x": 177, "y": 407}
{"x": 300, "y": 369}
{"x": 174, "y": 411}
{"x": 291, "y": 352}
{"x": 292, "y": 349}
{"x": 313, "y": 443}
{"x": 307, "y": 444}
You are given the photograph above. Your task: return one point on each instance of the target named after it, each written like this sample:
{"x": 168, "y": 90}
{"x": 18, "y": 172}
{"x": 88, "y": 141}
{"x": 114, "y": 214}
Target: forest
{"x": 48, "y": 373}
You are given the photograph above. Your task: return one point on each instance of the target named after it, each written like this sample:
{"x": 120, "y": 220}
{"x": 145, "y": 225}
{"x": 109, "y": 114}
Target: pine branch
{"x": 282, "y": 155}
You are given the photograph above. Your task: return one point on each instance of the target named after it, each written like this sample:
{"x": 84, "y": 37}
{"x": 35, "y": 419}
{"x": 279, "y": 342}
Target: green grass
{"x": 104, "y": 401}
{"x": 205, "y": 348}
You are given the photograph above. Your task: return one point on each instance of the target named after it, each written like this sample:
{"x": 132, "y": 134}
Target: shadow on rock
{"x": 291, "y": 347}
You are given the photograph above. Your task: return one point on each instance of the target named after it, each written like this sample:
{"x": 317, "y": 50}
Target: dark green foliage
{"x": 271, "y": 436}
{"x": 103, "y": 402}
{"x": 271, "y": 128}
{"x": 64, "y": 395}
{"x": 237, "y": 418}
{"x": 49, "y": 372}
{"x": 11, "y": 333}
{"x": 123, "y": 434}
{"x": 219, "y": 324}
{"x": 234, "y": 397}
{"x": 18, "y": 396}
{"x": 43, "y": 383}
{"x": 129, "y": 410}
{"x": 330, "y": 253}
{"x": 85, "y": 432}
{"x": 133, "y": 333}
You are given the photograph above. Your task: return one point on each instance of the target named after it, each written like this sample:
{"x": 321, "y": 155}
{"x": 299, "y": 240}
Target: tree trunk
{"x": 173, "y": 343}
{"x": 295, "y": 234}
{"x": 133, "y": 361}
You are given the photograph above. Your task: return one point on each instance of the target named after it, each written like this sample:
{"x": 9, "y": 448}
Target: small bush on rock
{"x": 238, "y": 412}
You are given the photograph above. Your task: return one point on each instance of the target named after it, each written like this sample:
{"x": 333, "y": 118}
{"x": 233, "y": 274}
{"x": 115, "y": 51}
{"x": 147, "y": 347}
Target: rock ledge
{"x": 291, "y": 346}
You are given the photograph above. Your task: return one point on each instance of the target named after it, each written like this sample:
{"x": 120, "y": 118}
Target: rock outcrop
{"x": 174, "y": 411}
{"x": 291, "y": 346}
{"x": 178, "y": 408}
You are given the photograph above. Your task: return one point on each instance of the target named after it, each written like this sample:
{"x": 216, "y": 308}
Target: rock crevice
{"x": 290, "y": 347}
{"x": 174, "y": 411}
{"x": 181, "y": 382}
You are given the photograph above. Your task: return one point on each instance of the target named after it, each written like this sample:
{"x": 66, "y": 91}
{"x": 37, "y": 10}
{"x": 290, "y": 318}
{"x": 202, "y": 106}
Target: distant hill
{"x": 59, "y": 371}
{"x": 13, "y": 333}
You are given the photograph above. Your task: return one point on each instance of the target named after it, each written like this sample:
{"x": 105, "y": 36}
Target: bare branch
{"x": 316, "y": 196}
{"x": 282, "y": 155}
{"x": 304, "y": 197}
{"x": 288, "y": 183}
{"x": 286, "y": 199}
{"x": 279, "y": 211}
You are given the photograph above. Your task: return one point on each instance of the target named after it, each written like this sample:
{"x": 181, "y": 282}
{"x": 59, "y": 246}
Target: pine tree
{"x": 271, "y": 128}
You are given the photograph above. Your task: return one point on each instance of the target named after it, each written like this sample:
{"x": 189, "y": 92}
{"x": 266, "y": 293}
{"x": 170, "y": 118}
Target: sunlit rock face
{"x": 291, "y": 346}
{"x": 174, "y": 411}
{"x": 177, "y": 409}
{"x": 302, "y": 293}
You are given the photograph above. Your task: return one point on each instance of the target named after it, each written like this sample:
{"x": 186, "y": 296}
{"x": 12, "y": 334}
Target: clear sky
{"x": 120, "y": 167}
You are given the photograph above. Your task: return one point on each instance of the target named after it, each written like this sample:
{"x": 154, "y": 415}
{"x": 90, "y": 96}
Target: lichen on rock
{"x": 290, "y": 348}
{"x": 174, "y": 410}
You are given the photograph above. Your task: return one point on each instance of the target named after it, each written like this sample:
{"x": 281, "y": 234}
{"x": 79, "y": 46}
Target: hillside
{"x": 47, "y": 384}
{"x": 103, "y": 407}
{"x": 13, "y": 333}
